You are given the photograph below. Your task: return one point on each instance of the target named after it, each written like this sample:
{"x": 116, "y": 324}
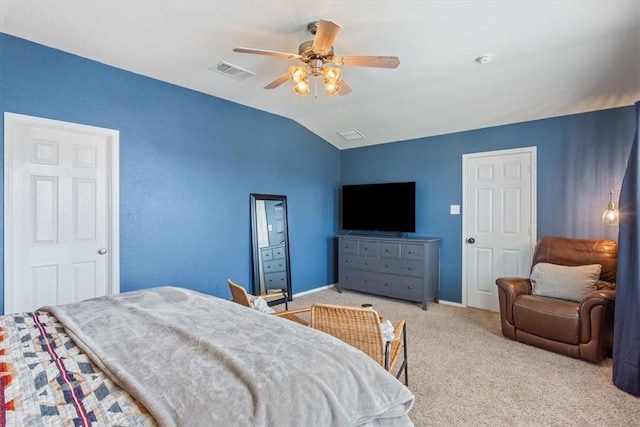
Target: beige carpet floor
{"x": 463, "y": 372}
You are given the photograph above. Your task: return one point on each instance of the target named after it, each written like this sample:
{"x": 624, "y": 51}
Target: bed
{"x": 173, "y": 357}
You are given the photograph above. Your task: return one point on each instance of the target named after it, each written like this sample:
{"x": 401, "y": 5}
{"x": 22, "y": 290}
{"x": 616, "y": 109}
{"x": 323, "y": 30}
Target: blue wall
{"x": 580, "y": 158}
{"x": 188, "y": 163}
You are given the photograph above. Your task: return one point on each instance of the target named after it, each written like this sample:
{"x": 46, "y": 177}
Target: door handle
{"x": 102, "y": 251}
{"x": 471, "y": 240}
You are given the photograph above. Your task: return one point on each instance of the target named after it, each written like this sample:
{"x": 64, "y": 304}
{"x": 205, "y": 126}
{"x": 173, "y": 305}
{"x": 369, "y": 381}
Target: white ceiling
{"x": 551, "y": 58}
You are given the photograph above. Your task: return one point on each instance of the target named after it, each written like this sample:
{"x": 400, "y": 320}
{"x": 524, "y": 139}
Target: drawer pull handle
{"x": 386, "y": 284}
{"x": 366, "y": 281}
{"x": 366, "y": 263}
{"x": 410, "y": 287}
{"x": 348, "y": 261}
{"x": 387, "y": 250}
{"x": 410, "y": 252}
{"x": 410, "y": 268}
{"x": 387, "y": 266}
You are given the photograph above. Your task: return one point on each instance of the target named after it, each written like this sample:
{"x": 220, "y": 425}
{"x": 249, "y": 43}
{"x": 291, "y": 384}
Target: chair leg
{"x": 404, "y": 345}
{"x": 404, "y": 366}
{"x": 387, "y": 351}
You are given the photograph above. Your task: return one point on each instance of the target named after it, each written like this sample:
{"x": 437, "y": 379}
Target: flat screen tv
{"x": 379, "y": 207}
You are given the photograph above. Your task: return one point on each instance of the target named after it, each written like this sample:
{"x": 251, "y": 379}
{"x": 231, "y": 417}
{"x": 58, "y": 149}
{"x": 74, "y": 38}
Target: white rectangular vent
{"x": 232, "y": 71}
{"x": 350, "y": 134}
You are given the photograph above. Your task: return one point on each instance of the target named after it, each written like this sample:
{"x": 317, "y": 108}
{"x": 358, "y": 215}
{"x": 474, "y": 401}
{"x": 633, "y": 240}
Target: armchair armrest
{"x": 293, "y": 315}
{"x": 514, "y": 285}
{"x": 294, "y": 311}
{"x": 509, "y": 288}
{"x": 596, "y": 312}
{"x": 397, "y": 331}
{"x": 268, "y": 297}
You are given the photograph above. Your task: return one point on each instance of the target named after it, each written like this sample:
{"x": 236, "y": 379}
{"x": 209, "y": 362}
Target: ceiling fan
{"x": 317, "y": 56}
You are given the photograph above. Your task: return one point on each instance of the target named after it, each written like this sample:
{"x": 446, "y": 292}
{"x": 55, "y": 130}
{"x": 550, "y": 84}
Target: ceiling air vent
{"x": 232, "y": 71}
{"x": 350, "y": 134}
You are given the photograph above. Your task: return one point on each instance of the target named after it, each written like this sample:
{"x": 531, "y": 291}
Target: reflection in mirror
{"x": 270, "y": 246}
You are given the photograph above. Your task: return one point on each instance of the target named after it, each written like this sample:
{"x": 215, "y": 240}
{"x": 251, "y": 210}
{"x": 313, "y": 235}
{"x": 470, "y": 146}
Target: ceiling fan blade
{"x": 267, "y": 52}
{"x": 345, "y": 89}
{"x": 325, "y": 35}
{"x": 277, "y": 82}
{"x": 367, "y": 61}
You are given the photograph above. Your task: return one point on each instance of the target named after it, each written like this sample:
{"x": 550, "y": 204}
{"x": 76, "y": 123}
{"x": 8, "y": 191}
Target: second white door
{"x": 498, "y": 221}
{"x": 61, "y": 227}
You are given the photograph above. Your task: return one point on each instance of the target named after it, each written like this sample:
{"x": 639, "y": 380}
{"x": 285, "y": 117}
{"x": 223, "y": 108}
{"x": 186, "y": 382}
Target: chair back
{"x": 239, "y": 294}
{"x": 359, "y": 327}
{"x": 574, "y": 252}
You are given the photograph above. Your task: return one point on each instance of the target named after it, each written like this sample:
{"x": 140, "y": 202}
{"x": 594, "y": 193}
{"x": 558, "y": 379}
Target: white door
{"x": 61, "y": 219}
{"x": 498, "y": 221}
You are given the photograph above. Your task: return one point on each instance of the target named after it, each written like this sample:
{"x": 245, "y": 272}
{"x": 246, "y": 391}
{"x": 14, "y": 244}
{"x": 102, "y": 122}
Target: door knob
{"x": 102, "y": 251}
{"x": 471, "y": 240}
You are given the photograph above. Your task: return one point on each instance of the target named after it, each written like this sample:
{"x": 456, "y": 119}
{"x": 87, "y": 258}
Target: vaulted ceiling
{"x": 550, "y": 58}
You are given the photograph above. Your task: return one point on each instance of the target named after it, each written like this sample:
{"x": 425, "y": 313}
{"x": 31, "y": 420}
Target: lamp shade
{"x": 302, "y": 88}
{"x": 332, "y": 74}
{"x": 331, "y": 88}
{"x": 611, "y": 216}
{"x": 297, "y": 73}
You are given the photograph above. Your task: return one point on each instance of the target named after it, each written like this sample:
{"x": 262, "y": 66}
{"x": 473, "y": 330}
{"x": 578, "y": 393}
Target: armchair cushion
{"x": 565, "y": 282}
{"x": 552, "y": 318}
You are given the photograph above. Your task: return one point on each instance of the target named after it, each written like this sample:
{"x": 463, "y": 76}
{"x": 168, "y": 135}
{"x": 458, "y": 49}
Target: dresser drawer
{"x": 389, "y": 250}
{"x": 360, "y": 262}
{"x": 275, "y": 265}
{"x": 359, "y": 280}
{"x": 368, "y": 248}
{"x": 267, "y": 254}
{"x": 275, "y": 280}
{"x": 278, "y": 252}
{"x": 412, "y": 252}
{"x": 349, "y": 246}
{"x": 402, "y": 268}
{"x": 408, "y": 288}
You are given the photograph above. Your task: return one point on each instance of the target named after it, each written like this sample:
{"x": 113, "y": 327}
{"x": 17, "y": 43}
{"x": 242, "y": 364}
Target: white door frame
{"x": 534, "y": 196}
{"x": 113, "y": 159}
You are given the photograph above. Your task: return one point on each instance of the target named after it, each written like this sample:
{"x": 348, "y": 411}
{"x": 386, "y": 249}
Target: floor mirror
{"x": 270, "y": 247}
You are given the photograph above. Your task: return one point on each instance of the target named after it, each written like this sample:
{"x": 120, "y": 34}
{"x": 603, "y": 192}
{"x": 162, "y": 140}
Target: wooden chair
{"x": 240, "y": 296}
{"x": 360, "y": 327}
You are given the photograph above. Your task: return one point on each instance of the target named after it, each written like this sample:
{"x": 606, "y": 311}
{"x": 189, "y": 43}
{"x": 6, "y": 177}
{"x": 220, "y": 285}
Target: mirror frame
{"x": 255, "y": 264}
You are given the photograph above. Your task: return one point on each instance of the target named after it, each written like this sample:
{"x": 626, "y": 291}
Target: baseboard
{"x": 310, "y": 291}
{"x": 335, "y": 285}
{"x": 445, "y": 302}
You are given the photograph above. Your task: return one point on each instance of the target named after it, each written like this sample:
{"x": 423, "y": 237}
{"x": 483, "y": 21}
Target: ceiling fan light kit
{"x": 317, "y": 56}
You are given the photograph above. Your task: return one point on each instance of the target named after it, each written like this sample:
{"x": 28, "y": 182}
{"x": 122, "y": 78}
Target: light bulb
{"x": 611, "y": 216}
{"x": 297, "y": 73}
{"x": 333, "y": 75}
{"x": 302, "y": 87}
{"x": 331, "y": 88}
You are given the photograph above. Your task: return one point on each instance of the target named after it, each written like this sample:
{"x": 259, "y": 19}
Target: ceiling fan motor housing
{"x": 305, "y": 50}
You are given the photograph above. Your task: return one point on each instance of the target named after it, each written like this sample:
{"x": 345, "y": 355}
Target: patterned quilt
{"x": 46, "y": 380}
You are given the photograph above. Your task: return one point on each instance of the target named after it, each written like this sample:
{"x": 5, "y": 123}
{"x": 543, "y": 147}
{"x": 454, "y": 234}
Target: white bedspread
{"x": 197, "y": 360}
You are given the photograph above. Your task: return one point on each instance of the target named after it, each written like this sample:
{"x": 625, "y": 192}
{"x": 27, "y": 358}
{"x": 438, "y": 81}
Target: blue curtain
{"x": 626, "y": 337}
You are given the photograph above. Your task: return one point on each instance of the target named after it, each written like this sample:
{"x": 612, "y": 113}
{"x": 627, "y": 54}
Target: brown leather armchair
{"x": 584, "y": 329}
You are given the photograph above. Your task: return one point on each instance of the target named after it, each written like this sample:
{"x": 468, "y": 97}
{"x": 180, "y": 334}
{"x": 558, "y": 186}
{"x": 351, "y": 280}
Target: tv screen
{"x": 379, "y": 207}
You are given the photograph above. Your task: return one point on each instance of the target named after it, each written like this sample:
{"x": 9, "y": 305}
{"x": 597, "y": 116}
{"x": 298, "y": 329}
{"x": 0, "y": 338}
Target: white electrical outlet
{"x": 454, "y": 209}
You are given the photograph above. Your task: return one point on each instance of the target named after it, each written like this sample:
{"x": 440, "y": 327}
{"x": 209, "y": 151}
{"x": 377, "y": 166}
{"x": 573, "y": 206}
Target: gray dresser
{"x": 405, "y": 268}
{"x": 274, "y": 267}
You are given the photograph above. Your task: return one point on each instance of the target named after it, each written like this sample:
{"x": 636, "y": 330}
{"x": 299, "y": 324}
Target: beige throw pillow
{"x": 565, "y": 282}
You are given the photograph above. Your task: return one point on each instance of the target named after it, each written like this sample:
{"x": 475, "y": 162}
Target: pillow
{"x": 564, "y": 282}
